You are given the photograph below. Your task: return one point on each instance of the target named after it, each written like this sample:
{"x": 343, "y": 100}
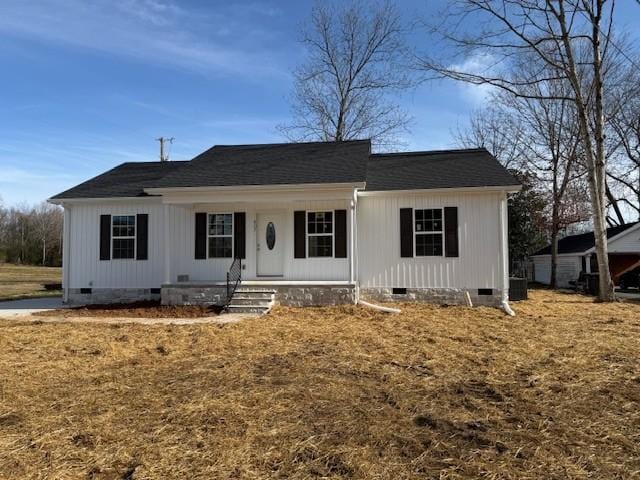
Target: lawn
{"x": 343, "y": 392}
{"x": 26, "y": 281}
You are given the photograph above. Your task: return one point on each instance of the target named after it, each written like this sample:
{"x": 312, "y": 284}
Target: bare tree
{"x": 47, "y": 221}
{"x": 624, "y": 126}
{"x": 540, "y": 138}
{"x": 355, "y": 57}
{"x": 496, "y": 129}
{"x": 567, "y": 37}
{"x": 31, "y": 235}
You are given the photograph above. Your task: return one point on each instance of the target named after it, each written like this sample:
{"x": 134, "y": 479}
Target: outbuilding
{"x": 577, "y": 253}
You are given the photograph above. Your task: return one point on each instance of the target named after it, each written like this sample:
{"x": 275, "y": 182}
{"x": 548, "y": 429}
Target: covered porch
{"x": 297, "y": 242}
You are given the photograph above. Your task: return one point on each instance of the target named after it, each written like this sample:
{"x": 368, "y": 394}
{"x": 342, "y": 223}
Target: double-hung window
{"x": 220, "y": 235}
{"x": 320, "y": 234}
{"x": 123, "y": 233}
{"x": 428, "y": 230}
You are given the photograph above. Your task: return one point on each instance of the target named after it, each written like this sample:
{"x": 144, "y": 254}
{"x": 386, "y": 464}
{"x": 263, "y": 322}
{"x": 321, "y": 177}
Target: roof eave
{"x": 228, "y": 188}
{"x": 62, "y": 201}
{"x": 615, "y": 237}
{"x": 417, "y": 191}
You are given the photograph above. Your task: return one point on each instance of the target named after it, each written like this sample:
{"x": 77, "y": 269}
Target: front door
{"x": 270, "y": 244}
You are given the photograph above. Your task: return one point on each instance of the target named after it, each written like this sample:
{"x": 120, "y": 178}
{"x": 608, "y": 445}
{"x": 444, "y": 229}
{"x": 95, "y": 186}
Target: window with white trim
{"x": 220, "y": 235}
{"x": 123, "y": 236}
{"x": 320, "y": 234}
{"x": 429, "y": 232}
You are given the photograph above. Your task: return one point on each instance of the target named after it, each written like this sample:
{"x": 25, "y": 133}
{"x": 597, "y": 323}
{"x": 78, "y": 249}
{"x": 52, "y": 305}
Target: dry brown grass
{"x": 329, "y": 393}
{"x": 144, "y": 309}
{"x": 25, "y": 281}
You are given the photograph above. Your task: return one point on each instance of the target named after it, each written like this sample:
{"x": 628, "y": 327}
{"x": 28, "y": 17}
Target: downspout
{"x": 504, "y": 255}
{"x": 167, "y": 244}
{"x": 66, "y": 258}
{"x": 355, "y": 259}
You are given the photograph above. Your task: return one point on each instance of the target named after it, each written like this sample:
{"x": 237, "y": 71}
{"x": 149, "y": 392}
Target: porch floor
{"x": 264, "y": 283}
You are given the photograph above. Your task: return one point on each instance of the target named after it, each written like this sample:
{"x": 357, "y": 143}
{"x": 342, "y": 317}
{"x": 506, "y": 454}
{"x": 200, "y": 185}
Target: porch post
{"x": 167, "y": 245}
{"x": 588, "y": 263}
{"x": 352, "y": 239}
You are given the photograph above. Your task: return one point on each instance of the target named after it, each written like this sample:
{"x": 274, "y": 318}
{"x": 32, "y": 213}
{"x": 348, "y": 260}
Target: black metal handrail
{"x": 234, "y": 276}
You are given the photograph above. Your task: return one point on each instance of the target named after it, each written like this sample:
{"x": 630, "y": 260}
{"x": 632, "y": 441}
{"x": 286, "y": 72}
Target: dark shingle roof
{"x": 275, "y": 164}
{"x": 126, "y": 180}
{"x": 302, "y": 163}
{"x": 436, "y": 169}
{"x": 583, "y": 241}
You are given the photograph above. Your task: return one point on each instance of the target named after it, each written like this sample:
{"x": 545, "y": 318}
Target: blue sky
{"x": 88, "y": 85}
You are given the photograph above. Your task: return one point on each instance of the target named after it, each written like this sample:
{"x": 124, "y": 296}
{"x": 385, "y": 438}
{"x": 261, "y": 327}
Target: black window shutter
{"x": 105, "y": 237}
{"x": 142, "y": 236}
{"x": 406, "y": 232}
{"x": 201, "y": 236}
{"x": 300, "y": 232}
{"x": 450, "y": 231}
{"x": 239, "y": 234}
{"x": 341, "y": 233}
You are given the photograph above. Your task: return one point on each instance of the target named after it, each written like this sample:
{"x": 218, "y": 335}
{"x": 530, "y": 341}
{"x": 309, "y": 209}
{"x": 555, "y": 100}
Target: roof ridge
{"x": 267, "y": 145}
{"x": 624, "y": 226}
{"x": 154, "y": 162}
{"x": 430, "y": 152}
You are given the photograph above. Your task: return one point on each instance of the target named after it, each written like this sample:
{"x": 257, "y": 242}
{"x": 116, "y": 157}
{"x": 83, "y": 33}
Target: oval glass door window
{"x": 271, "y": 235}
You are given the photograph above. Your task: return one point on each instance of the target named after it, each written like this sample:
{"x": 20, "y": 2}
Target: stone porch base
{"x": 296, "y": 294}
{"x": 290, "y": 294}
{"x": 449, "y": 296}
{"x": 110, "y": 295}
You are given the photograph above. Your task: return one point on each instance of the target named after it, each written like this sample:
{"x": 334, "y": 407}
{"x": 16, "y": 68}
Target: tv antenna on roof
{"x": 162, "y": 140}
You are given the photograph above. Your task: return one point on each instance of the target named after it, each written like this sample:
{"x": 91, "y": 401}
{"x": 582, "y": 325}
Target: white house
{"x": 577, "y": 253}
{"x": 314, "y": 223}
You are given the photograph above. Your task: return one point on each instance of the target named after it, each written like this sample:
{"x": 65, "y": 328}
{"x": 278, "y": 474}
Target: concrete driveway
{"x": 24, "y": 308}
{"x": 28, "y": 306}
{"x": 628, "y": 294}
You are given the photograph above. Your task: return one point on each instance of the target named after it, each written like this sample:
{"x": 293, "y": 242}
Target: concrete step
{"x": 249, "y": 308}
{"x": 255, "y": 290}
{"x": 256, "y": 295}
{"x": 251, "y": 301}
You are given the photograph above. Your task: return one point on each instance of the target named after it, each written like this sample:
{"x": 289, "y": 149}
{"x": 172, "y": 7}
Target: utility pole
{"x": 163, "y": 157}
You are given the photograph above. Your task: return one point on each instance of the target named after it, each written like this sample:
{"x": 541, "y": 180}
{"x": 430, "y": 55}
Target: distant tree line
{"x": 31, "y": 235}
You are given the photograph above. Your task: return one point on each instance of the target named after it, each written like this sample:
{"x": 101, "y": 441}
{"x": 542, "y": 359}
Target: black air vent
{"x": 399, "y": 291}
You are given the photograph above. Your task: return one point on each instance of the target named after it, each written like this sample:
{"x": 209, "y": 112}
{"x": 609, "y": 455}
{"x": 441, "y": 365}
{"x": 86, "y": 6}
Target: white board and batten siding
{"x": 477, "y": 266}
{"x": 182, "y": 221}
{"x": 378, "y": 243}
{"x": 85, "y": 269}
{"x": 84, "y": 264}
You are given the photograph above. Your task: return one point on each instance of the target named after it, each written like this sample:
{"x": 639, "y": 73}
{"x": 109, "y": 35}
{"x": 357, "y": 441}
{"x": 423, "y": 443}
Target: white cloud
{"x": 477, "y": 64}
{"x": 149, "y": 30}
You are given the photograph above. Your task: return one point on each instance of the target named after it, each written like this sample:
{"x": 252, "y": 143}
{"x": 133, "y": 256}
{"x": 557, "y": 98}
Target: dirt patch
{"x": 339, "y": 392}
{"x": 147, "y": 309}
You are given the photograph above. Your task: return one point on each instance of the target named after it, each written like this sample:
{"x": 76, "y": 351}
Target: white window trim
{"x": 134, "y": 237}
{"x": 221, "y": 236}
{"x": 415, "y": 232}
{"x": 332, "y": 234}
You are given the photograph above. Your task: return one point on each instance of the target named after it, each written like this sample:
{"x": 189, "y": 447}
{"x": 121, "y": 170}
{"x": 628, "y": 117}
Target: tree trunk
{"x": 594, "y": 153}
{"x": 553, "y": 282}
{"x": 606, "y": 283}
